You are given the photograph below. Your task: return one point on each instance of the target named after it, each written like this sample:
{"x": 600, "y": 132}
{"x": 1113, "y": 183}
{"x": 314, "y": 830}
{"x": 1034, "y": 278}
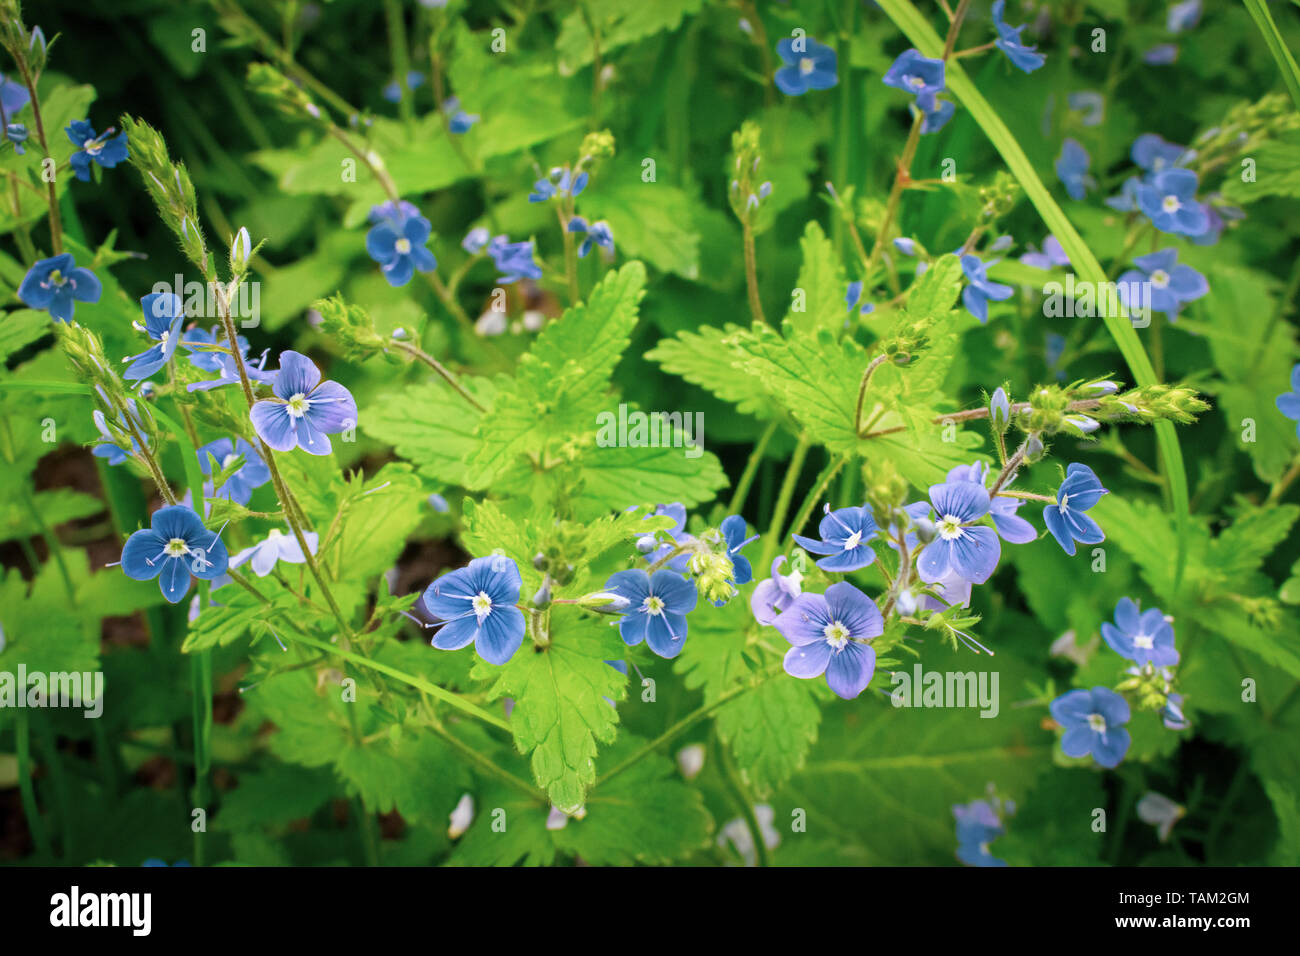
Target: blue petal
{"x": 849, "y": 671}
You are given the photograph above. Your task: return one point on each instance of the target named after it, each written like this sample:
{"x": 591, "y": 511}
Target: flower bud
{"x": 604, "y": 602}
{"x": 1000, "y": 410}
{"x": 240, "y": 249}
{"x": 925, "y": 530}
{"x": 461, "y": 817}
{"x": 646, "y": 543}
{"x": 1033, "y": 448}
{"x": 543, "y": 596}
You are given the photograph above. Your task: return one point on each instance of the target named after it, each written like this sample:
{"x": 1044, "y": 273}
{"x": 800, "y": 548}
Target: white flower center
{"x": 1144, "y": 642}
{"x": 403, "y": 246}
{"x": 1171, "y": 204}
{"x": 298, "y": 405}
{"x": 1160, "y": 279}
{"x": 653, "y": 605}
{"x": 916, "y": 82}
{"x": 805, "y": 65}
{"x": 836, "y": 634}
{"x": 275, "y": 535}
{"x": 852, "y": 541}
{"x": 1064, "y": 502}
{"x": 93, "y": 146}
{"x": 176, "y": 547}
{"x": 482, "y": 605}
{"x": 949, "y": 527}
{"x": 1097, "y": 723}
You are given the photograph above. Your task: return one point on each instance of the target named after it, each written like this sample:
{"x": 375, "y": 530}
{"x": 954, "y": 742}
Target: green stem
{"x": 772, "y": 540}
{"x": 1085, "y": 264}
{"x": 433, "y": 690}
{"x": 35, "y": 825}
{"x": 751, "y": 469}
{"x": 751, "y": 273}
{"x": 741, "y": 797}
{"x": 689, "y": 721}
{"x": 819, "y": 487}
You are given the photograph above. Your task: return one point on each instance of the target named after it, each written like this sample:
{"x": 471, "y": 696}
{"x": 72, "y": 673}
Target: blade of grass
{"x": 1286, "y": 63}
{"x": 917, "y": 29}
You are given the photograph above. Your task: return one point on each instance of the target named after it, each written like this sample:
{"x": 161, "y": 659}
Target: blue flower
{"x": 977, "y": 826}
{"x": 1169, "y": 200}
{"x": 397, "y": 242}
{"x": 1053, "y": 255}
{"x": 598, "y": 233}
{"x": 656, "y": 553}
{"x": 1066, "y": 519}
{"x": 1172, "y": 715}
{"x": 13, "y": 96}
{"x": 1026, "y": 58}
{"x": 918, "y": 75}
{"x": 1010, "y": 527}
{"x": 109, "y": 448}
{"x": 100, "y": 149}
{"x": 393, "y": 91}
{"x": 514, "y": 260}
{"x": 175, "y": 546}
{"x": 1158, "y": 281}
{"x": 16, "y": 133}
{"x": 475, "y": 240}
{"x": 937, "y": 118}
{"x": 1153, "y": 153}
{"x": 1288, "y": 403}
{"x": 164, "y": 313}
{"x": 305, "y": 410}
{"x": 458, "y": 121}
{"x": 980, "y": 288}
{"x": 830, "y": 634}
{"x": 960, "y": 546}
{"x": 209, "y": 360}
{"x": 1126, "y": 201}
{"x": 854, "y": 295}
{"x": 276, "y": 546}
{"x": 1144, "y": 637}
{"x": 229, "y": 373}
{"x": 776, "y": 594}
{"x": 1094, "y": 724}
{"x": 1183, "y": 16}
{"x": 476, "y": 604}
{"x": 56, "y": 284}
{"x": 155, "y": 861}
{"x": 1090, "y": 103}
{"x": 844, "y": 537}
{"x": 239, "y": 486}
{"x": 733, "y": 532}
{"x": 1072, "y": 168}
{"x": 657, "y": 608}
{"x": 559, "y": 182}
{"x": 1161, "y": 55}
{"x": 809, "y": 65}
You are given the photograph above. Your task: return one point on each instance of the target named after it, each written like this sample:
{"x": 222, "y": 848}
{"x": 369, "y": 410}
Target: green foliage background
{"x": 291, "y": 774}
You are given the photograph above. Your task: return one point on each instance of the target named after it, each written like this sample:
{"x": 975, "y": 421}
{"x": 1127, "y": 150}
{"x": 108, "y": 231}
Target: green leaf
{"x": 430, "y": 425}
{"x": 769, "y": 727}
{"x": 20, "y": 329}
{"x": 562, "y": 709}
{"x": 709, "y": 357}
{"x": 618, "y": 23}
{"x": 821, "y": 284}
{"x": 650, "y": 220}
{"x": 646, "y": 815}
{"x": 561, "y": 382}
